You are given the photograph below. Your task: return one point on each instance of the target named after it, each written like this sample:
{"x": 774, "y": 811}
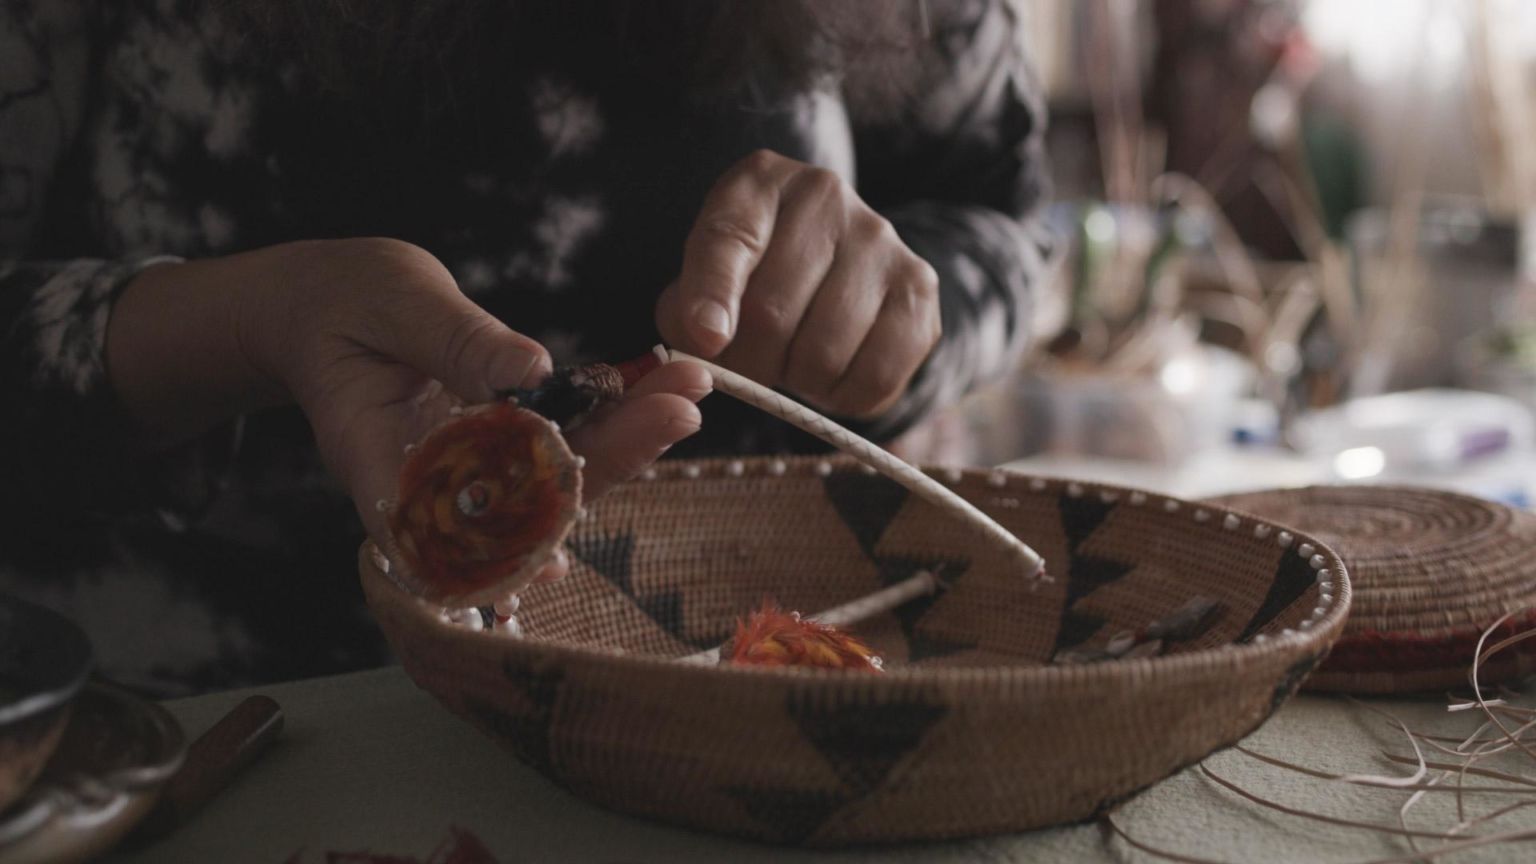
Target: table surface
{"x": 368, "y": 762}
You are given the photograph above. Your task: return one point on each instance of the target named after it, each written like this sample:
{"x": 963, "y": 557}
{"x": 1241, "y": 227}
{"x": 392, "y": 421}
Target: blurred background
{"x": 1297, "y": 245}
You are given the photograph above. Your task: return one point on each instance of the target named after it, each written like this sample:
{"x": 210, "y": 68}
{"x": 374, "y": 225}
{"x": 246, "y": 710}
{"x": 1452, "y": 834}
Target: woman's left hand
{"x": 791, "y": 279}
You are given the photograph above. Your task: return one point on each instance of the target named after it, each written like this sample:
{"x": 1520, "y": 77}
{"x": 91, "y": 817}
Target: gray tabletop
{"x": 368, "y": 762}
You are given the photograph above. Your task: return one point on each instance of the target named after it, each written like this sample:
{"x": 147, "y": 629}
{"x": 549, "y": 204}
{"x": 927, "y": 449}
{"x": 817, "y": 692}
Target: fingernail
{"x": 714, "y": 318}
{"x": 683, "y": 428}
{"x": 523, "y": 370}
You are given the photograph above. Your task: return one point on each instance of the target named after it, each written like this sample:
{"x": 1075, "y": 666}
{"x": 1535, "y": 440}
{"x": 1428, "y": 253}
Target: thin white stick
{"x": 793, "y": 412}
{"x": 852, "y": 612}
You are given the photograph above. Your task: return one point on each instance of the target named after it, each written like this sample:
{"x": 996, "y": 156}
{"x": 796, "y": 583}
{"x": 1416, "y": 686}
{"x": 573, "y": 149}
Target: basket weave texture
{"x": 1431, "y": 571}
{"x": 973, "y": 730}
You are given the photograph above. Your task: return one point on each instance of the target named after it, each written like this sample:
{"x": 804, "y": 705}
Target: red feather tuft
{"x": 773, "y": 637}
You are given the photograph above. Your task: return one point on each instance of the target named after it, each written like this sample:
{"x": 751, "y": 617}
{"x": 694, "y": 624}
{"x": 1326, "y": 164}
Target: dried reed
{"x": 1502, "y": 728}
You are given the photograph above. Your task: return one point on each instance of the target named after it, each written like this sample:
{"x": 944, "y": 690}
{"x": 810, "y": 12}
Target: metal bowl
{"x": 44, "y": 661}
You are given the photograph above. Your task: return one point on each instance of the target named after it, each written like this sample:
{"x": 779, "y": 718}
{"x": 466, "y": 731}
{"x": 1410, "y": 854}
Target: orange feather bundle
{"x": 772, "y": 637}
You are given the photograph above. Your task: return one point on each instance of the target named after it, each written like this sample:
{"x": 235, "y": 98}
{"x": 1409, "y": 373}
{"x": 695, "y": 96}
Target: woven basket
{"x": 973, "y": 730}
{"x": 1431, "y": 570}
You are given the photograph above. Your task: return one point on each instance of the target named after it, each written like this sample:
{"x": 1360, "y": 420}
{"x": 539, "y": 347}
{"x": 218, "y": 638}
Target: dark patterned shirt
{"x": 558, "y": 197}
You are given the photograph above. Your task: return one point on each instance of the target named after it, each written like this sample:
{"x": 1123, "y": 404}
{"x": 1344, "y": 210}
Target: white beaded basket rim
{"x": 1316, "y": 629}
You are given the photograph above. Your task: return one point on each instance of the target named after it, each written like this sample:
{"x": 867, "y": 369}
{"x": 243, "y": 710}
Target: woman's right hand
{"x": 374, "y": 341}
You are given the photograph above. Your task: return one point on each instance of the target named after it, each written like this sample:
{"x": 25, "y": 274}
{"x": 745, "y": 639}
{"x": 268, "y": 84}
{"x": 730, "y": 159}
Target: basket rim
{"x": 535, "y": 650}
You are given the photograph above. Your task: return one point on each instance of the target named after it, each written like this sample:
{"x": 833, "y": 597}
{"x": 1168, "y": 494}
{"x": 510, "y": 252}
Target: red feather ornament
{"x": 773, "y": 637}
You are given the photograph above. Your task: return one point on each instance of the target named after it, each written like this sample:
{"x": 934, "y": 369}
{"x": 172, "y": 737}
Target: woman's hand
{"x": 374, "y": 341}
{"x": 794, "y": 281}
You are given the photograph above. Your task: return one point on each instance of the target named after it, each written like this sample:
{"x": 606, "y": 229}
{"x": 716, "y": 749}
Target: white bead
{"x": 997, "y": 479}
{"x": 411, "y": 448}
{"x": 509, "y": 627}
{"x": 381, "y": 505}
{"x": 1284, "y": 538}
{"x": 1326, "y": 586}
{"x": 1260, "y": 639}
{"x": 1307, "y": 624}
{"x": 1261, "y": 530}
{"x": 777, "y": 468}
{"x": 1171, "y": 506}
{"x": 1319, "y": 611}
{"x": 1318, "y": 562}
{"x": 1202, "y": 516}
{"x": 823, "y": 468}
{"x": 1138, "y": 498}
{"x": 1075, "y": 490}
{"x": 508, "y": 605}
{"x": 1007, "y": 503}
{"x": 1109, "y": 497}
{"x": 1325, "y": 598}
{"x": 1231, "y": 522}
{"x": 1037, "y": 484}
{"x": 1305, "y": 550}
{"x": 1287, "y": 633}
{"x": 1324, "y": 576}
{"x": 691, "y": 472}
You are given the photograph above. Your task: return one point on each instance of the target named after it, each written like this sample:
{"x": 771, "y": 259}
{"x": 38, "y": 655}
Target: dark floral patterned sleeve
{"x": 64, "y": 448}
{"x": 960, "y": 175}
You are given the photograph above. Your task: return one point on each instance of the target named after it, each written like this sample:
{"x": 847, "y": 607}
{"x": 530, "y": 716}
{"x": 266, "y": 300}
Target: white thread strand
{"x": 793, "y": 412}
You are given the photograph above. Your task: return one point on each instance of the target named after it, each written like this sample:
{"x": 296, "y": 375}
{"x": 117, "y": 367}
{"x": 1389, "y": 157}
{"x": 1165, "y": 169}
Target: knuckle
{"x": 884, "y": 382}
{"x": 765, "y": 314}
{"x": 824, "y": 184}
{"x": 730, "y": 229}
{"x": 924, "y": 280}
{"x": 464, "y": 341}
{"x": 871, "y": 228}
{"x": 395, "y": 256}
{"x": 914, "y": 289}
{"x": 760, "y": 162}
{"x": 815, "y": 369}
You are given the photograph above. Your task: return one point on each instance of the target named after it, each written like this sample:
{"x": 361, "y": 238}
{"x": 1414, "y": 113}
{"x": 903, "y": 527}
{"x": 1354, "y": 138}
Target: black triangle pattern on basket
{"x": 920, "y": 646}
{"x": 862, "y": 744}
{"x": 1292, "y": 579}
{"x": 790, "y": 815}
{"x": 1080, "y": 517}
{"x": 528, "y": 730}
{"x": 612, "y": 556}
{"x": 867, "y": 503}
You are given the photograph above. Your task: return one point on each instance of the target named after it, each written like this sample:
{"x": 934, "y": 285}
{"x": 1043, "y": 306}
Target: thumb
{"x": 476, "y": 356}
{"x": 445, "y": 335}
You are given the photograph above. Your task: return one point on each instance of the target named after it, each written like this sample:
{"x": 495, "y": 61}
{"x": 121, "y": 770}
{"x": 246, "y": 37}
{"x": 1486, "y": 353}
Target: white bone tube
{"x": 921, "y": 484}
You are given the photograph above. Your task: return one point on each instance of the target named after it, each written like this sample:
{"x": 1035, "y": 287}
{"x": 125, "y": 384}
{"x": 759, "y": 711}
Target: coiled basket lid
{"x": 1431, "y": 571}
{"x": 973, "y": 730}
